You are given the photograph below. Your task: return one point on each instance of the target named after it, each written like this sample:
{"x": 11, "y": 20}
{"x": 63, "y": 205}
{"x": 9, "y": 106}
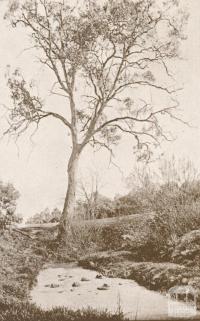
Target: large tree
{"x": 105, "y": 59}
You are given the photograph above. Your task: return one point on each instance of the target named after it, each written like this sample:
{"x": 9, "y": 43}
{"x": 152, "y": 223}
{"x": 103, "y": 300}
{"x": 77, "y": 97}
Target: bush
{"x": 176, "y": 214}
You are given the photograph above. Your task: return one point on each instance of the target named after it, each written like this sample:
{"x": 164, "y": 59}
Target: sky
{"x": 37, "y": 167}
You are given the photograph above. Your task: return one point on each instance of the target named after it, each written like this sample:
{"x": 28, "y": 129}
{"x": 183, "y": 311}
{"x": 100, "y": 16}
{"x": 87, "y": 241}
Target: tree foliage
{"x": 8, "y": 202}
{"x": 111, "y": 51}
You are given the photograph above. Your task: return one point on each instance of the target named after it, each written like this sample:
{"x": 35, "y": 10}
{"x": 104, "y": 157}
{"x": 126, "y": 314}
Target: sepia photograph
{"x": 100, "y": 160}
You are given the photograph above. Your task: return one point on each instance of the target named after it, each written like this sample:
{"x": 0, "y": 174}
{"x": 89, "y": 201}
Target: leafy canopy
{"x": 104, "y": 59}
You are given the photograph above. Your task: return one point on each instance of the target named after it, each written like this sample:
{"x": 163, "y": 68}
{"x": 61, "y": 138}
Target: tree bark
{"x": 69, "y": 204}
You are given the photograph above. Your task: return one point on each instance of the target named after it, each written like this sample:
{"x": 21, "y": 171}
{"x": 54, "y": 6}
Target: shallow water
{"x": 54, "y": 288}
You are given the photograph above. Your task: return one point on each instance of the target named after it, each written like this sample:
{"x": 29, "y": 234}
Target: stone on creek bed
{"x": 99, "y": 276}
{"x": 52, "y": 285}
{"x": 83, "y": 279}
{"x": 76, "y": 284}
{"x": 104, "y": 287}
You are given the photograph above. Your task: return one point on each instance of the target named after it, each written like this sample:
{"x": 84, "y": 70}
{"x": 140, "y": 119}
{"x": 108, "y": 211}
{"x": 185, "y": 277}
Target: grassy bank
{"x": 21, "y": 259}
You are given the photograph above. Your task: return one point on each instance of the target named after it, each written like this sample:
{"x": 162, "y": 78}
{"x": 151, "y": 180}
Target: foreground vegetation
{"x": 29, "y": 312}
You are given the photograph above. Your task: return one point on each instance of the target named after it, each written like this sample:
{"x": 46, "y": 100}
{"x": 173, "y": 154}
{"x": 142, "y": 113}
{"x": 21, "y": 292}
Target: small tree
{"x": 8, "y": 199}
{"x": 89, "y": 190}
{"x": 100, "y": 56}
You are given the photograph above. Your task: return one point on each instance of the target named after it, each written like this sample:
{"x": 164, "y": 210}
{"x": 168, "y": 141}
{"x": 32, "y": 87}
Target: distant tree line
{"x": 97, "y": 207}
{"x": 45, "y": 216}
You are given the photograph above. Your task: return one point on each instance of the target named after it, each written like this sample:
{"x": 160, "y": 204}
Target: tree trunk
{"x": 69, "y": 205}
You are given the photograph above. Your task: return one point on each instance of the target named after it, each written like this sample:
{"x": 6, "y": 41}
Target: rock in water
{"x": 53, "y": 285}
{"x": 105, "y": 286}
{"x": 83, "y": 279}
{"x": 75, "y": 284}
{"x": 99, "y": 276}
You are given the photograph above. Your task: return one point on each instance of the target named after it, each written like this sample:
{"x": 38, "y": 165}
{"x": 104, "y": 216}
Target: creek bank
{"x": 152, "y": 275}
{"x": 182, "y": 268}
{"x": 21, "y": 259}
